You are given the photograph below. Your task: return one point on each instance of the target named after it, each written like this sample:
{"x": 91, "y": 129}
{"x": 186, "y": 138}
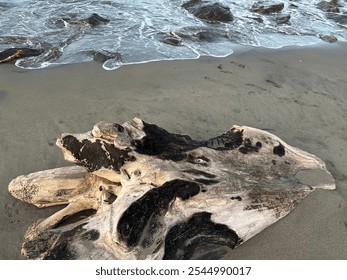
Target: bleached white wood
{"x": 152, "y": 191}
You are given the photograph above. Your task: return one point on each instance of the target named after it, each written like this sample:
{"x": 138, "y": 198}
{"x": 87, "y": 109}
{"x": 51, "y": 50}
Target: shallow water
{"x": 137, "y": 30}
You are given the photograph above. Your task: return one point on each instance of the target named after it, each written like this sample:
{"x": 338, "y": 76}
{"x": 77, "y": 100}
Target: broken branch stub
{"x": 140, "y": 192}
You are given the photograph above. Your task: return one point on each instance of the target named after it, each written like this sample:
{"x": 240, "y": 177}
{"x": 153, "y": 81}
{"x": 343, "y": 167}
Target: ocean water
{"x": 140, "y": 31}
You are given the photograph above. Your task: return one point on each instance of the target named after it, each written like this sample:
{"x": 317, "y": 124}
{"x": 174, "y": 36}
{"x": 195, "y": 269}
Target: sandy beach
{"x": 297, "y": 94}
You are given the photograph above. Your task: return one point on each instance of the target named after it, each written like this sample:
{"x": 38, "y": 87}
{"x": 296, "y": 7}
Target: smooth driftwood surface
{"x": 140, "y": 192}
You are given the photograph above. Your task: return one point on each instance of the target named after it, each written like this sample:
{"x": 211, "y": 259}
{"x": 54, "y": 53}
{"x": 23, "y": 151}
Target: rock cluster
{"x": 49, "y": 52}
{"x": 210, "y": 12}
{"x": 215, "y": 12}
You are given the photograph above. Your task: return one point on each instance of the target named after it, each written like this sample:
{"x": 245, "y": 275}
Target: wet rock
{"x": 95, "y": 20}
{"x": 293, "y": 6}
{"x": 172, "y": 38}
{"x": 332, "y": 6}
{"x": 172, "y": 41}
{"x": 92, "y": 21}
{"x": 64, "y": 21}
{"x": 283, "y": 19}
{"x": 57, "y": 22}
{"x": 51, "y": 54}
{"x": 257, "y": 19}
{"x": 215, "y": 12}
{"x": 205, "y": 35}
{"x": 338, "y": 18}
{"x": 5, "y": 6}
{"x": 16, "y": 53}
{"x": 208, "y": 36}
{"x": 192, "y": 3}
{"x": 266, "y": 9}
{"x": 328, "y": 38}
{"x": 102, "y": 56}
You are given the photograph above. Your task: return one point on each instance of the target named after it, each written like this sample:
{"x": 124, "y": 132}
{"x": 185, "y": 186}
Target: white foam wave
{"x": 141, "y": 30}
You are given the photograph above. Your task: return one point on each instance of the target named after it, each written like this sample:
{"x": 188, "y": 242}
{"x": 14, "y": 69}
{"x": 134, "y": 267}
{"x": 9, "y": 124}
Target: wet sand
{"x": 297, "y": 94}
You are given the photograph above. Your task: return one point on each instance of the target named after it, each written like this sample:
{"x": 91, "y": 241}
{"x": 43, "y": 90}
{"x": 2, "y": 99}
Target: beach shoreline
{"x": 298, "y": 94}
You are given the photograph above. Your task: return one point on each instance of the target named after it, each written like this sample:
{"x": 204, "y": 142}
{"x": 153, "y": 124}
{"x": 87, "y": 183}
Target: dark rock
{"x": 214, "y": 12}
{"x": 91, "y": 21}
{"x": 201, "y": 34}
{"x": 173, "y": 41}
{"x": 257, "y": 19}
{"x": 293, "y": 6}
{"x": 208, "y": 36}
{"x": 211, "y": 12}
{"x": 52, "y": 54}
{"x": 338, "y": 18}
{"x": 283, "y": 19}
{"x": 103, "y": 56}
{"x": 328, "y": 38}
{"x": 57, "y": 22}
{"x": 6, "y": 6}
{"x": 332, "y": 6}
{"x": 182, "y": 35}
{"x": 191, "y": 3}
{"x": 95, "y": 20}
{"x": 16, "y": 53}
{"x": 172, "y": 38}
{"x": 266, "y": 9}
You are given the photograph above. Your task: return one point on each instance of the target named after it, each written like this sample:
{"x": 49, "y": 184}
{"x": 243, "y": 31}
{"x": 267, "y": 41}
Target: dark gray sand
{"x": 298, "y": 94}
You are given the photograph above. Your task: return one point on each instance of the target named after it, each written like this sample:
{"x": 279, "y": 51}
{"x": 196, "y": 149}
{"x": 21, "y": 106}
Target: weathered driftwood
{"x": 140, "y": 192}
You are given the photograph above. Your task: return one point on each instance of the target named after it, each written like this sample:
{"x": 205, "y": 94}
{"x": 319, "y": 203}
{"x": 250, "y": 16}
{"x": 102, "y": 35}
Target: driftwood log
{"x": 140, "y": 192}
